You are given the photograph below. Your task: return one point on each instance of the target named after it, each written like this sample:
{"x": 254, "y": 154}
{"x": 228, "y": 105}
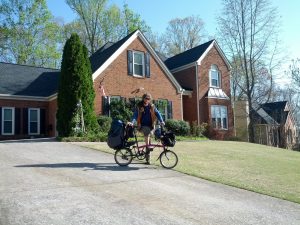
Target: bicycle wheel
{"x": 168, "y": 159}
{"x": 123, "y": 157}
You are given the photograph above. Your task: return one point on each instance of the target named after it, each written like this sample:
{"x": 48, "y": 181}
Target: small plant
{"x": 104, "y": 123}
{"x": 178, "y": 127}
{"x": 120, "y": 110}
{"x": 198, "y": 130}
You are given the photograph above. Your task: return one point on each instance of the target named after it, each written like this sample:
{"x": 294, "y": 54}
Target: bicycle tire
{"x": 168, "y": 159}
{"x": 123, "y": 157}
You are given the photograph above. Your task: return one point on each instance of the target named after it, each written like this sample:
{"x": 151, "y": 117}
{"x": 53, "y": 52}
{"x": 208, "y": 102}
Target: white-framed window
{"x": 214, "y": 75}
{"x": 34, "y": 121}
{"x": 138, "y": 63}
{"x": 8, "y": 121}
{"x": 219, "y": 117}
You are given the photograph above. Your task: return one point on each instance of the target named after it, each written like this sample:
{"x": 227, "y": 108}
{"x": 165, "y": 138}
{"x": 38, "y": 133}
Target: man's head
{"x": 146, "y": 98}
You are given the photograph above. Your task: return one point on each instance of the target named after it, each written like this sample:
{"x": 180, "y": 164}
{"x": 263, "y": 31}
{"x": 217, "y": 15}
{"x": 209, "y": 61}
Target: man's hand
{"x": 162, "y": 123}
{"x": 129, "y": 124}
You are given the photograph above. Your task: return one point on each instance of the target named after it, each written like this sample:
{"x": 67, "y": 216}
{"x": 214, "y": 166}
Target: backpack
{"x": 168, "y": 139}
{"x": 116, "y": 136}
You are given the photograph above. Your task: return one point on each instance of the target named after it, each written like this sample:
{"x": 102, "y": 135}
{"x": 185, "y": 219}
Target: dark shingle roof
{"x": 276, "y": 110}
{"x": 28, "y": 80}
{"x": 106, "y": 51}
{"x": 189, "y": 56}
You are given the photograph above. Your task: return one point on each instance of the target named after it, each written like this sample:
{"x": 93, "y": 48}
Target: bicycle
{"x": 131, "y": 149}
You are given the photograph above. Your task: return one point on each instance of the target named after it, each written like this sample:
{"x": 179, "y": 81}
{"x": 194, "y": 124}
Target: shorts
{"x": 146, "y": 130}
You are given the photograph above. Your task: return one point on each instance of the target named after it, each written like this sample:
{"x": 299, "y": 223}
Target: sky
{"x": 157, "y": 13}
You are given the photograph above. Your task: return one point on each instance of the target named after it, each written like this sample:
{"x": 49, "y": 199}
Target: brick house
{"x": 274, "y": 124}
{"x": 205, "y": 71}
{"x": 27, "y": 101}
{"x": 122, "y": 70}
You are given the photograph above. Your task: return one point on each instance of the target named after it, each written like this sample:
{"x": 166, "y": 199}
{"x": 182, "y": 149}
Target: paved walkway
{"x": 60, "y": 183}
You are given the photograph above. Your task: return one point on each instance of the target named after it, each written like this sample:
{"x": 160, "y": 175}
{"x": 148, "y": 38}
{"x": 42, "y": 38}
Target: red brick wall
{"x": 187, "y": 79}
{"x": 213, "y": 57}
{"x": 50, "y": 108}
{"x": 116, "y": 81}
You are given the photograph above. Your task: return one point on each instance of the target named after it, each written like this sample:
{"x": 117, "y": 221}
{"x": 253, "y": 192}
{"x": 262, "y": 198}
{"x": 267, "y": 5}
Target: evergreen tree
{"x": 75, "y": 84}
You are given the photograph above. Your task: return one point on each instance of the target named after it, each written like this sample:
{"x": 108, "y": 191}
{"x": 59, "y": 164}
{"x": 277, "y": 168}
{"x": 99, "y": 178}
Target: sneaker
{"x": 147, "y": 157}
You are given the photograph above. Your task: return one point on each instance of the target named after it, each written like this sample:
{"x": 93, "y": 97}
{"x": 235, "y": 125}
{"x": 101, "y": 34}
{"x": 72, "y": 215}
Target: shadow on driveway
{"x": 85, "y": 166}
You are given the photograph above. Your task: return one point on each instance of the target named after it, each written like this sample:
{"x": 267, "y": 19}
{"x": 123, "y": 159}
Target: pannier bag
{"x": 116, "y": 137}
{"x": 168, "y": 139}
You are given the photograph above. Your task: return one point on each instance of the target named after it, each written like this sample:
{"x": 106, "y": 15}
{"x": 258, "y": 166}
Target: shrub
{"x": 198, "y": 130}
{"x": 90, "y": 137}
{"x": 178, "y": 127}
{"x": 120, "y": 110}
{"x": 104, "y": 123}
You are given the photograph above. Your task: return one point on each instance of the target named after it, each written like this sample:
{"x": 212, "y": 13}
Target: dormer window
{"x": 214, "y": 77}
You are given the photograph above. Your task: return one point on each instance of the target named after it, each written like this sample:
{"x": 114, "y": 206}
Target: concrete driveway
{"x": 60, "y": 183}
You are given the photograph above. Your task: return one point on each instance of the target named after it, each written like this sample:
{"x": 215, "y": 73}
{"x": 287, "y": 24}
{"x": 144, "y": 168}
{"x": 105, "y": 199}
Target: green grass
{"x": 258, "y": 168}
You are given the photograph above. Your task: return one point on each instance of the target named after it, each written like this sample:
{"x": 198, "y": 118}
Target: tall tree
{"x": 75, "y": 84}
{"x": 32, "y": 35}
{"x": 183, "y": 34}
{"x": 90, "y": 12}
{"x": 98, "y": 24}
{"x": 249, "y": 35}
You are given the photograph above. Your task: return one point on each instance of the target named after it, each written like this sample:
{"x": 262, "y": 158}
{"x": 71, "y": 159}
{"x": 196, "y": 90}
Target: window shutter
{"x": 130, "y": 62}
{"x": 170, "y": 110}
{"x": 42, "y": 121}
{"x": 17, "y": 121}
{"x": 105, "y": 105}
{"x": 25, "y": 121}
{"x": 147, "y": 65}
{"x": 0, "y": 120}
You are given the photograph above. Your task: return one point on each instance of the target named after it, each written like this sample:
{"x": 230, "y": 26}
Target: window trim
{"x": 215, "y": 69}
{"x": 13, "y": 121}
{"x": 219, "y": 107}
{"x": 143, "y": 64}
{"x": 38, "y": 121}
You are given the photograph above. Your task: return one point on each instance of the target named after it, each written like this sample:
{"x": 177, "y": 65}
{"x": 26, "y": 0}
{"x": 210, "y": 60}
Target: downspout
{"x": 181, "y": 96}
{"x": 197, "y": 87}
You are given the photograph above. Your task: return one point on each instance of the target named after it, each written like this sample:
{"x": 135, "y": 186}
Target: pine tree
{"x": 75, "y": 84}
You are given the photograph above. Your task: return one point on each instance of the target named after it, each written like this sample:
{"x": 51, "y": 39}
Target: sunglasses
{"x": 147, "y": 98}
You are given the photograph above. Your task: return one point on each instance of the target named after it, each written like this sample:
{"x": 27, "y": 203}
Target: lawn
{"x": 258, "y": 168}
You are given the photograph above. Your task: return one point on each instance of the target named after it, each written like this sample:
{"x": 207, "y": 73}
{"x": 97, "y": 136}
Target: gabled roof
{"x": 102, "y": 58}
{"x": 187, "y": 57}
{"x": 277, "y": 110}
{"x": 105, "y": 52}
{"x": 24, "y": 80}
{"x": 194, "y": 55}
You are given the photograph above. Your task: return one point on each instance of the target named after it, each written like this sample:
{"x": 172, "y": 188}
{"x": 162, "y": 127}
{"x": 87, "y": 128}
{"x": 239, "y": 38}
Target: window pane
{"x": 219, "y": 125}
{"x": 33, "y": 127}
{"x": 214, "y": 125}
{"x": 138, "y": 69}
{"x": 138, "y": 58}
{"x": 214, "y": 78}
{"x": 7, "y": 115}
{"x": 33, "y": 115}
{"x": 225, "y": 123}
{"x": 7, "y": 127}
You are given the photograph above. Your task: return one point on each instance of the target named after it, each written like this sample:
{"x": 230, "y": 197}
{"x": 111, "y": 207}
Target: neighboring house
{"x": 205, "y": 71}
{"x": 27, "y": 101}
{"x": 122, "y": 70}
{"x": 274, "y": 124}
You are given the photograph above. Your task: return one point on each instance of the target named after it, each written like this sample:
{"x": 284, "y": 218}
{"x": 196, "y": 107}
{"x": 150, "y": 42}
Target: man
{"x": 145, "y": 116}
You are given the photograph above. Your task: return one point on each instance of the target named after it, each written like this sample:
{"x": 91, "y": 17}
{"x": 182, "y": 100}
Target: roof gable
{"x": 277, "y": 110}
{"x": 24, "y": 80}
{"x": 101, "y": 59}
{"x": 187, "y": 57}
{"x": 194, "y": 55}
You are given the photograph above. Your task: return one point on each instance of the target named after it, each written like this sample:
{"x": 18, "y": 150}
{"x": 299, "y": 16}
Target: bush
{"x": 198, "y": 130}
{"x": 178, "y": 127}
{"x": 104, "y": 123}
{"x": 120, "y": 110}
{"x": 91, "y": 137}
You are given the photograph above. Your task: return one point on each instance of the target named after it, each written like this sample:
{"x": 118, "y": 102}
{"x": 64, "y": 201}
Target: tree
{"x": 75, "y": 84}
{"x": 183, "y": 34}
{"x": 32, "y": 37}
{"x": 90, "y": 12}
{"x": 98, "y": 24}
{"x": 249, "y": 34}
